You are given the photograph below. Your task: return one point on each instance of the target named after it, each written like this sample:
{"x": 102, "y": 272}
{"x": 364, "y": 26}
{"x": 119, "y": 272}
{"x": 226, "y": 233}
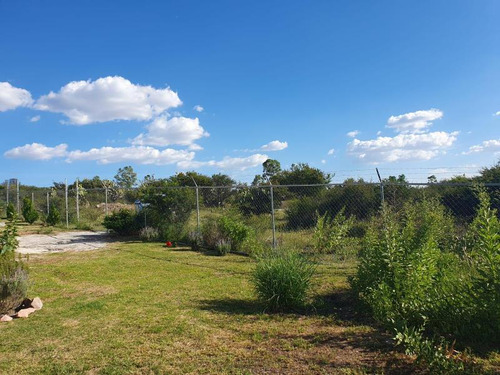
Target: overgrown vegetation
{"x": 124, "y": 222}
{"x": 54, "y": 216}
{"x": 30, "y": 215}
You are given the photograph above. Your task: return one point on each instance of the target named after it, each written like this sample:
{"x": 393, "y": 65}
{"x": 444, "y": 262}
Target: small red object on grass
{"x": 168, "y": 244}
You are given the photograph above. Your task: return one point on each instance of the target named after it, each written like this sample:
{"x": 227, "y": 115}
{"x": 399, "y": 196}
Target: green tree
{"x": 11, "y": 211}
{"x": 54, "y": 216}
{"x": 303, "y": 174}
{"x": 271, "y": 168}
{"x": 29, "y": 213}
{"x": 126, "y": 178}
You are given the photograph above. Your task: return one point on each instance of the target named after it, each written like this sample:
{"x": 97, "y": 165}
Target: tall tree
{"x": 270, "y": 168}
{"x": 126, "y": 178}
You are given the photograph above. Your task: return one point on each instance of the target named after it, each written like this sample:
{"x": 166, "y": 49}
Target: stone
{"x": 37, "y": 303}
{"x": 5, "y": 318}
{"x": 25, "y": 312}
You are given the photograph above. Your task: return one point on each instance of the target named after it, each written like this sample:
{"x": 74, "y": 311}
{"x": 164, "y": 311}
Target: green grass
{"x": 139, "y": 308}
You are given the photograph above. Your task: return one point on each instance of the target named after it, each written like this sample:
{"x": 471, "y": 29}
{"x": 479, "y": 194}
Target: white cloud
{"x": 198, "y": 108}
{"x": 331, "y": 151}
{"x": 108, "y": 99}
{"x": 353, "y": 133}
{"x": 323, "y": 161}
{"x": 227, "y": 163}
{"x": 37, "y": 151}
{"x": 135, "y": 154}
{"x": 274, "y": 146}
{"x": 423, "y": 146}
{"x": 497, "y": 114}
{"x": 414, "y": 122}
{"x": 174, "y": 131}
{"x": 492, "y": 145}
{"x": 13, "y": 97}
{"x": 35, "y": 119}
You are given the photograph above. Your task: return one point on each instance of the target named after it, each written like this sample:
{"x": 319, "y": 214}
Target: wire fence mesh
{"x": 280, "y": 215}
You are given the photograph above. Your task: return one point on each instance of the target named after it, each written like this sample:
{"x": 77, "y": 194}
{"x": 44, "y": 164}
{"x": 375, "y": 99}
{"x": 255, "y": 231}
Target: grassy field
{"x": 139, "y": 308}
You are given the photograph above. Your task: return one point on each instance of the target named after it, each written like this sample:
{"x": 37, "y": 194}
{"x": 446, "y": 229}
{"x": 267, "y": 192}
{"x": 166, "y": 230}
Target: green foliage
{"x": 126, "y": 178}
{"x": 233, "y": 231}
{"x": 13, "y": 274}
{"x": 271, "y": 168}
{"x": 123, "y": 222}
{"x": 54, "y": 216}
{"x": 29, "y": 213}
{"x": 11, "y": 211}
{"x": 282, "y": 280}
{"x": 303, "y": 174}
{"x": 223, "y": 247}
{"x": 330, "y": 235}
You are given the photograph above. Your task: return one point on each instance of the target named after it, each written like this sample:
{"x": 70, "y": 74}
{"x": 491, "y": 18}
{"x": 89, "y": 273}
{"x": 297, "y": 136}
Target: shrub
{"x": 195, "y": 239}
{"x": 124, "y": 222}
{"x": 210, "y": 232}
{"x": 11, "y": 211}
{"x": 233, "y": 231}
{"x": 149, "y": 234}
{"x": 223, "y": 247}
{"x": 13, "y": 274}
{"x": 29, "y": 213}
{"x": 330, "y": 235}
{"x": 54, "y": 216}
{"x": 282, "y": 280}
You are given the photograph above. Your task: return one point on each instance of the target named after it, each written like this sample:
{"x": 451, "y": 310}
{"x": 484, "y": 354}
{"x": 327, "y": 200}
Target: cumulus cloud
{"x": 37, "y": 151}
{"x": 414, "y": 122}
{"x": 13, "y": 97}
{"x": 108, "y": 99}
{"x": 35, "y": 119}
{"x": 353, "y": 133}
{"x": 198, "y": 108}
{"x": 497, "y": 114}
{"x": 165, "y": 131}
{"x": 135, "y": 154}
{"x": 274, "y": 146}
{"x": 331, "y": 151}
{"x": 423, "y": 146}
{"x": 492, "y": 145}
{"x": 227, "y": 163}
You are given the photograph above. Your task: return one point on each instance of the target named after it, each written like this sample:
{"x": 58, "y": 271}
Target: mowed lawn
{"x": 137, "y": 308}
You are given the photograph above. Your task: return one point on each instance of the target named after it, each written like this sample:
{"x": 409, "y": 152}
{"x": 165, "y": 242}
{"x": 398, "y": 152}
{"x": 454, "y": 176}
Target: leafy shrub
{"x": 29, "y": 213}
{"x": 195, "y": 239}
{"x": 11, "y": 211}
{"x": 282, "y": 280}
{"x": 13, "y": 274}
{"x": 124, "y": 222}
{"x": 330, "y": 235}
{"x": 233, "y": 231}
{"x": 149, "y": 234}
{"x": 54, "y": 216}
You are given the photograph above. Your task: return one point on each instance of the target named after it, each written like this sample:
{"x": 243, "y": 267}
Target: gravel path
{"x": 65, "y": 241}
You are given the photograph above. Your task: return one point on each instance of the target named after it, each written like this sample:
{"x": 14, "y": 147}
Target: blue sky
{"x": 218, "y": 86}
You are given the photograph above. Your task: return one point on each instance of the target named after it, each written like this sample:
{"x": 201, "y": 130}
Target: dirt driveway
{"x": 64, "y": 241}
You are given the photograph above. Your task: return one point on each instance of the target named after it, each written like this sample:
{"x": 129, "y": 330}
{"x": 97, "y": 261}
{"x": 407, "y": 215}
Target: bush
{"x": 54, "y": 217}
{"x": 13, "y": 274}
{"x": 330, "y": 235}
{"x": 282, "y": 280}
{"x": 223, "y": 247}
{"x": 11, "y": 211}
{"x": 124, "y": 222}
{"x": 233, "y": 231}
{"x": 29, "y": 213}
{"x": 149, "y": 234}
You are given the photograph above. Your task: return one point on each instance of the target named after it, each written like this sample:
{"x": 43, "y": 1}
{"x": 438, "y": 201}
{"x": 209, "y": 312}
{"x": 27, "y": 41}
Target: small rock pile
{"x": 27, "y": 307}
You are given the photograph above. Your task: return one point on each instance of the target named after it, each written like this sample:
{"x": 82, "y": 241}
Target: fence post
{"x": 197, "y": 205}
{"x": 381, "y": 187}
{"x": 33, "y": 198}
{"x": 8, "y": 188}
{"x": 48, "y": 203}
{"x": 272, "y": 217}
{"x": 66, "y": 201}
{"x": 77, "y": 202}
{"x": 17, "y": 189}
{"x": 106, "y": 200}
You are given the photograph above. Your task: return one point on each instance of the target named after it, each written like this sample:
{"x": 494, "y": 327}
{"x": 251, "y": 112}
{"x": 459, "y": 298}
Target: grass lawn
{"x": 139, "y": 308}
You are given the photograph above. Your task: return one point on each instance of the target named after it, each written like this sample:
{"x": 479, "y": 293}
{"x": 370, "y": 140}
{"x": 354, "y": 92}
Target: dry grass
{"x": 138, "y": 308}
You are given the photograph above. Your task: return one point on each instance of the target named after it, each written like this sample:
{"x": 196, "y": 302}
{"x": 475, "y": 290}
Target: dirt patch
{"x": 65, "y": 241}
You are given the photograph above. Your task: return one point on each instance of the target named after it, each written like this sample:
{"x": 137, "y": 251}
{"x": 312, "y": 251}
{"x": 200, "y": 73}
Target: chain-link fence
{"x": 280, "y": 215}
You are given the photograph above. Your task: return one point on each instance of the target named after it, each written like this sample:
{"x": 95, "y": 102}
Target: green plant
{"x": 124, "y": 222}
{"x": 223, "y": 247}
{"x": 8, "y": 238}
{"x": 330, "y": 235}
{"x": 29, "y": 212}
{"x": 149, "y": 234}
{"x": 54, "y": 216}
{"x": 11, "y": 211}
{"x": 282, "y": 280}
{"x": 233, "y": 231}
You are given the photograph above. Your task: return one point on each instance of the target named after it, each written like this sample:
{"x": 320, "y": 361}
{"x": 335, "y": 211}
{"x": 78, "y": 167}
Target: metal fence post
{"x": 66, "y": 201}
{"x": 48, "y": 203}
{"x": 381, "y": 186}
{"x": 8, "y": 188}
{"x": 33, "y": 198}
{"x": 106, "y": 200}
{"x": 272, "y": 218}
{"x": 18, "y": 197}
{"x": 197, "y": 209}
{"x": 77, "y": 202}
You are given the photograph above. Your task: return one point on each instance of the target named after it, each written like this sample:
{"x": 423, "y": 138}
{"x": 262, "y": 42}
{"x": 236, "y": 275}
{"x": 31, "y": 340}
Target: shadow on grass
{"x": 233, "y": 306}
